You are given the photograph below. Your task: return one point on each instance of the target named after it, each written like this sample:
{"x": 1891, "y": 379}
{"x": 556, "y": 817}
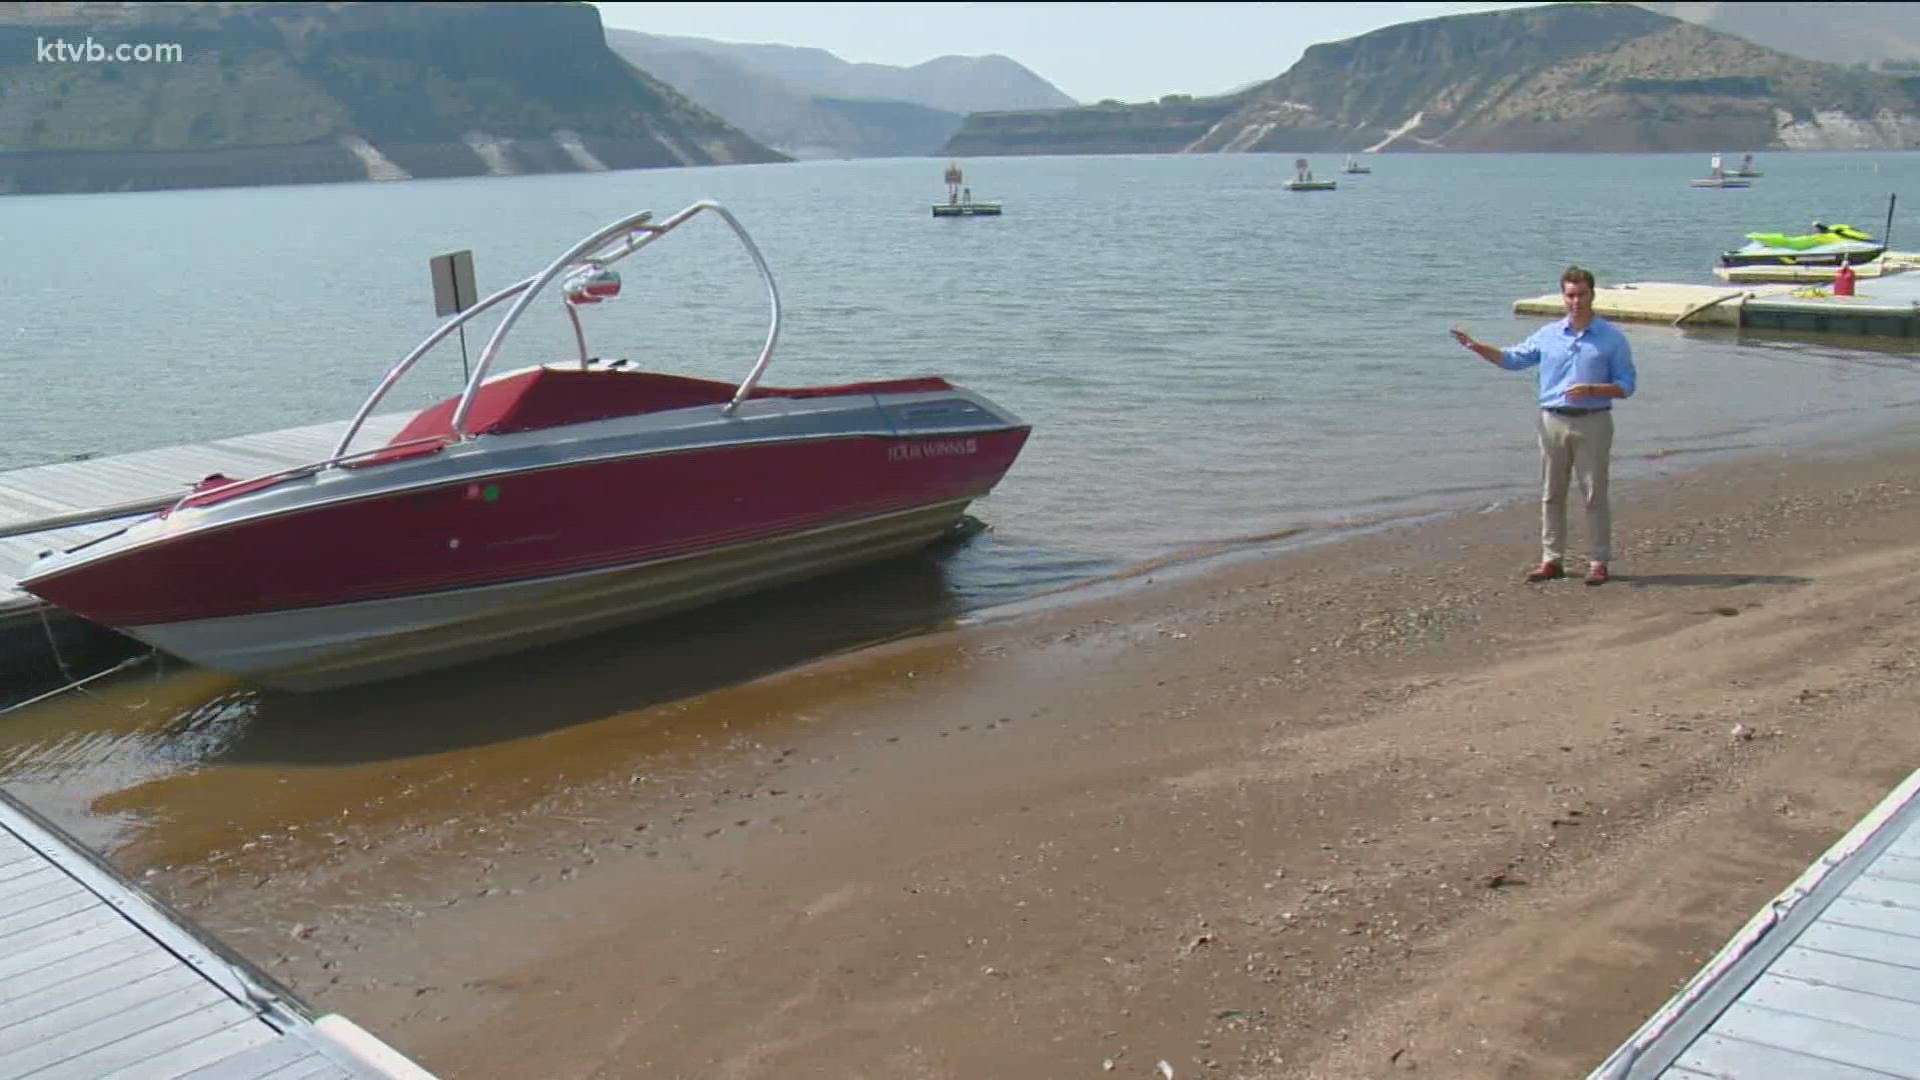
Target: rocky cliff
{"x": 1167, "y": 127}
{"x": 245, "y": 93}
{"x": 1588, "y": 77}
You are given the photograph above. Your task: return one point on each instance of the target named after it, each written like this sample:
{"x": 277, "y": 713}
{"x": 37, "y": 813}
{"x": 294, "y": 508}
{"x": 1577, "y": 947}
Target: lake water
{"x": 1205, "y": 358}
{"x": 1209, "y": 362}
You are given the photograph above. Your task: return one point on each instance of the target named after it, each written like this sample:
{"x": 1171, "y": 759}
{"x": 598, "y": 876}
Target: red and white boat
{"x": 540, "y": 504}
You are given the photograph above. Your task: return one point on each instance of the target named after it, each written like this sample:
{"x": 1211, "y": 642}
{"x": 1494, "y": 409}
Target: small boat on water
{"x": 540, "y": 504}
{"x": 1717, "y": 178}
{"x": 1354, "y": 168}
{"x": 960, "y": 201}
{"x": 1826, "y": 245}
{"x": 1303, "y": 179}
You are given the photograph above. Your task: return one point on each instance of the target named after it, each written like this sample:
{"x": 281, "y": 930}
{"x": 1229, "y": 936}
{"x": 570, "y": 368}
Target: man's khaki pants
{"x": 1576, "y": 448}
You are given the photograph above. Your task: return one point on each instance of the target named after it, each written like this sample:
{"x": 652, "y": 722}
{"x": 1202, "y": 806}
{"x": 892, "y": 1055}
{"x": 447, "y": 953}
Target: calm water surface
{"x": 1208, "y": 361}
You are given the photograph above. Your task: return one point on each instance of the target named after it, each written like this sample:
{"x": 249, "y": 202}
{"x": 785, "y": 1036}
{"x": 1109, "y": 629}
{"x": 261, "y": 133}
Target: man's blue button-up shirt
{"x": 1598, "y": 354}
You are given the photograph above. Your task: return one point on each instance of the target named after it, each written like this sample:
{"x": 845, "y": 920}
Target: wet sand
{"x": 1367, "y": 808}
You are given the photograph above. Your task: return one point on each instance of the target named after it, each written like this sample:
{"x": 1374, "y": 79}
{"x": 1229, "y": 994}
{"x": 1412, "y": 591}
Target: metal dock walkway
{"x": 70, "y": 502}
{"x": 99, "y": 980}
{"x": 1824, "y": 983}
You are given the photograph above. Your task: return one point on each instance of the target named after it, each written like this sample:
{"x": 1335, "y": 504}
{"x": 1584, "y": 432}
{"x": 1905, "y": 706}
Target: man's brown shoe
{"x": 1597, "y": 574}
{"x": 1546, "y": 571}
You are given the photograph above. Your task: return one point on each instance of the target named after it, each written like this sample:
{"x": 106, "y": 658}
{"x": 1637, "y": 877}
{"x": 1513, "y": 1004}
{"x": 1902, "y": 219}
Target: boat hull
{"x": 513, "y": 540}
{"x": 332, "y": 646}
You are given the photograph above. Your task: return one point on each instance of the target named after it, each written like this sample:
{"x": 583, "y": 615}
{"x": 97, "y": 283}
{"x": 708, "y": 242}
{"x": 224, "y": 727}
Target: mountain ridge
{"x": 1596, "y": 77}
{"x": 809, "y": 103}
{"x": 958, "y": 84}
{"x": 1832, "y": 32}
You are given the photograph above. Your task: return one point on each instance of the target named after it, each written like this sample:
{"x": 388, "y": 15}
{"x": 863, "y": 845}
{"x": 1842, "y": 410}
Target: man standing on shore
{"x": 1585, "y": 366}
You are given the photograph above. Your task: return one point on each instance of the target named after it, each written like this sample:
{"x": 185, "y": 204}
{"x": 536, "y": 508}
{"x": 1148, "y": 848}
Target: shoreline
{"x": 96, "y": 649}
{"x": 1320, "y": 812}
{"x": 1210, "y": 557}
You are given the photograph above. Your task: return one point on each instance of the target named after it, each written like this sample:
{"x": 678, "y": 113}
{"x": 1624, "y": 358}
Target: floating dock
{"x": 98, "y": 979}
{"x": 960, "y": 202}
{"x": 1882, "y": 307}
{"x": 966, "y": 209}
{"x": 1893, "y": 262}
{"x": 57, "y": 506}
{"x": 1823, "y": 982}
{"x": 1655, "y": 301}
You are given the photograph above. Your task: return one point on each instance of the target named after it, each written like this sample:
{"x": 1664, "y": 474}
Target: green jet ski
{"x": 1826, "y": 245}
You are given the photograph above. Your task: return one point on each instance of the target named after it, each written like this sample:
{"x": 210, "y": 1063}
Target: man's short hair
{"x": 1579, "y": 275}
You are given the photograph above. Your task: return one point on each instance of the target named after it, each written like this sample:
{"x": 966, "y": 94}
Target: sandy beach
{"x": 1368, "y": 808}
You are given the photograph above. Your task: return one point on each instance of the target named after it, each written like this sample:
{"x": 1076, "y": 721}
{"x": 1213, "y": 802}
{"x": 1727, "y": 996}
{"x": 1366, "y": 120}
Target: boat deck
{"x": 47, "y": 507}
{"x": 1823, "y": 982}
{"x": 99, "y": 980}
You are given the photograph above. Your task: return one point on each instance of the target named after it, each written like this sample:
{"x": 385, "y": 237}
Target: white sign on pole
{"x": 452, "y": 282}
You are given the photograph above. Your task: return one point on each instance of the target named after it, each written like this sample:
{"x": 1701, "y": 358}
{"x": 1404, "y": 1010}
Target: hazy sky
{"x": 1133, "y": 52}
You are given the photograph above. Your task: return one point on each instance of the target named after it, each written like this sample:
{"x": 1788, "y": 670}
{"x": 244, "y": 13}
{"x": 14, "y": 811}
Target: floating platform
{"x": 1882, "y": 307}
{"x": 99, "y": 979}
{"x": 57, "y": 506}
{"x": 973, "y": 209}
{"x": 1728, "y": 182}
{"x": 1893, "y": 262}
{"x": 1878, "y": 310}
{"x": 1310, "y": 185}
{"x": 1823, "y": 982}
{"x": 1659, "y": 302}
